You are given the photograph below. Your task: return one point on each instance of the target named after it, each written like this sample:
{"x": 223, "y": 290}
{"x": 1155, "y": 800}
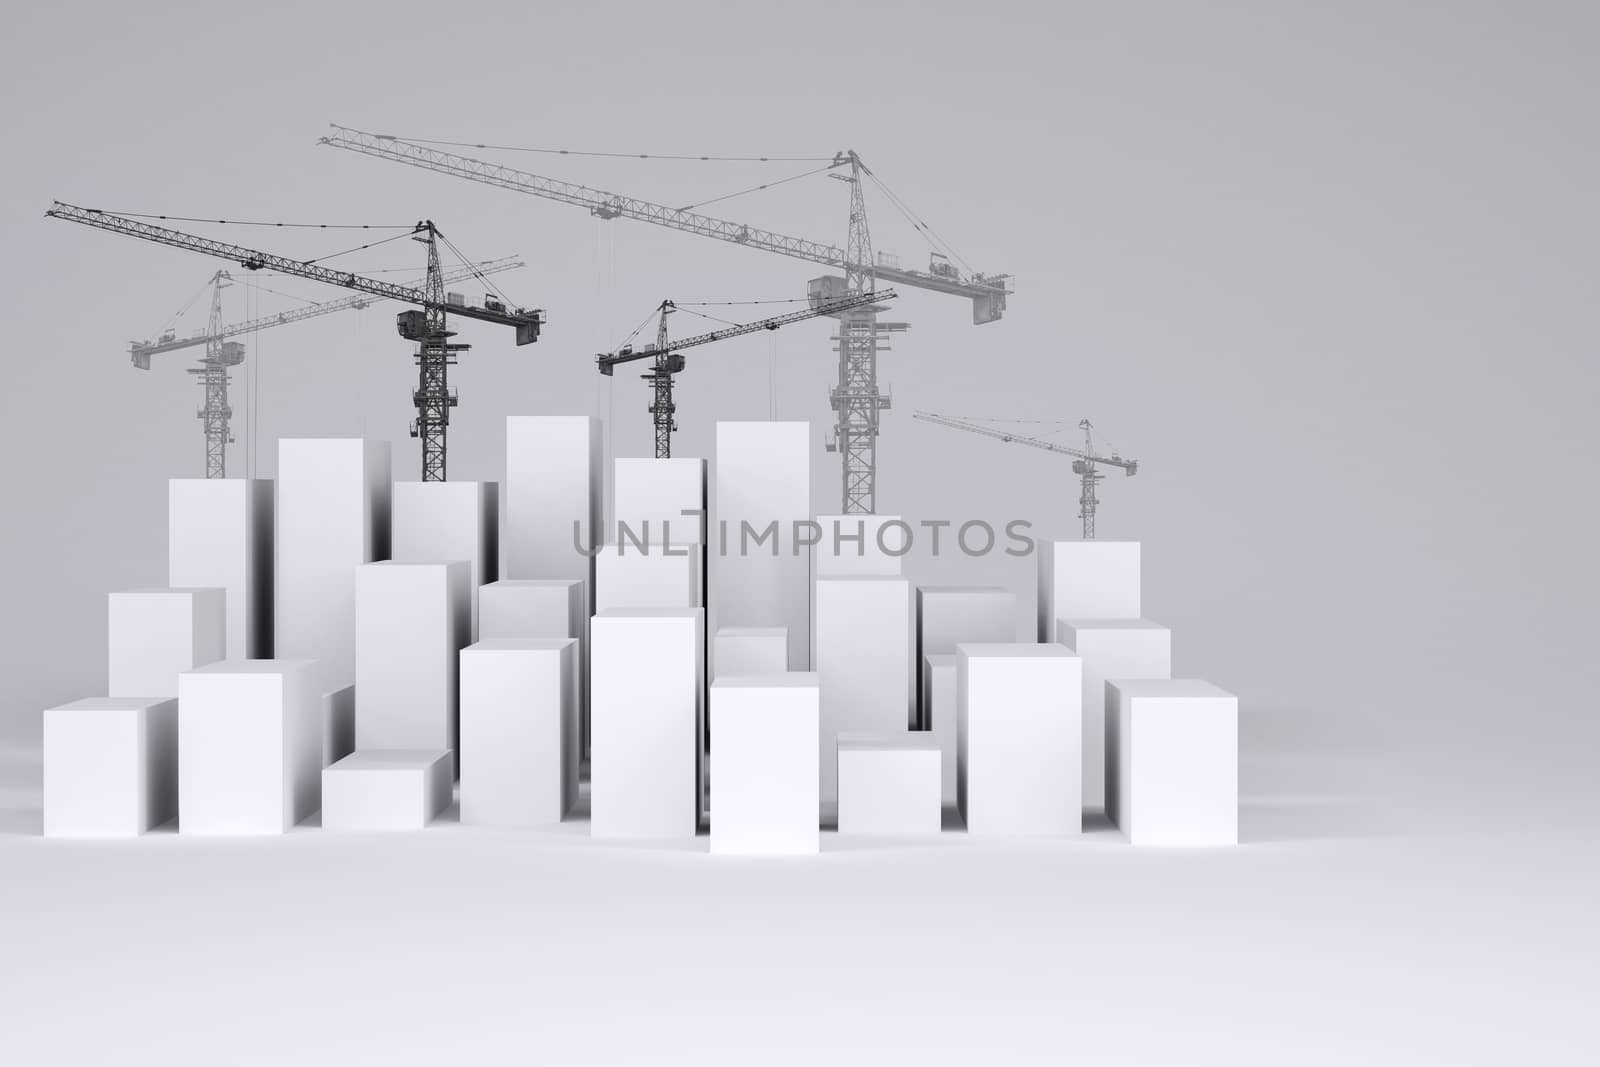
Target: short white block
{"x": 333, "y": 516}
{"x": 1110, "y": 649}
{"x": 762, "y": 479}
{"x": 154, "y": 635}
{"x": 656, "y": 576}
{"x": 412, "y": 621}
{"x": 750, "y": 650}
{"x": 110, "y": 766}
{"x": 515, "y": 608}
{"x": 249, "y": 746}
{"x": 889, "y": 784}
{"x": 1173, "y": 756}
{"x": 939, "y": 712}
{"x": 439, "y": 522}
{"x": 950, "y": 614}
{"x": 519, "y": 731}
{"x": 1019, "y": 763}
{"x": 646, "y": 722}
{"x": 765, "y": 763}
{"x": 1086, "y": 580}
{"x": 863, "y": 661}
{"x": 651, "y": 497}
{"x": 386, "y": 789}
{"x": 219, "y": 535}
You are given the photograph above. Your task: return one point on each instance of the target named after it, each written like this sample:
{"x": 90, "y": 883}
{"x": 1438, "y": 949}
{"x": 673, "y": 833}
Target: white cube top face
{"x": 110, "y": 767}
{"x": 765, "y": 765}
{"x": 332, "y": 516}
{"x": 651, "y": 498}
{"x": 761, "y": 489}
{"x": 1173, "y": 761}
{"x": 1111, "y": 649}
{"x": 1087, "y": 580}
{"x": 220, "y": 535}
{"x": 153, "y": 635}
{"x": 860, "y": 546}
{"x": 553, "y": 482}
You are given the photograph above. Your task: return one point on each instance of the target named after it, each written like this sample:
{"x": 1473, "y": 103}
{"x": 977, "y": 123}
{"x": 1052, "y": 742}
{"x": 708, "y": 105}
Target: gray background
{"x": 1325, "y": 269}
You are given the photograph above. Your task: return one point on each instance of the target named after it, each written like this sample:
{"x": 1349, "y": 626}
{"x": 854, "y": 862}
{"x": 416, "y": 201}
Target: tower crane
{"x": 1085, "y": 463}
{"x": 427, "y": 324}
{"x": 669, "y": 360}
{"x": 855, "y": 398}
{"x": 223, "y": 354}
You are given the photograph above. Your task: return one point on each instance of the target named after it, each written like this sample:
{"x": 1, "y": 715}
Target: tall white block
{"x": 939, "y": 717}
{"x": 386, "y": 789}
{"x": 750, "y": 650}
{"x": 153, "y": 635}
{"x": 438, "y": 522}
{"x": 657, "y": 576}
{"x": 219, "y": 535}
{"x": 532, "y": 607}
{"x": 1173, "y": 754}
{"x": 553, "y": 480}
{"x": 651, "y": 496}
{"x": 1019, "y": 763}
{"x": 889, "y": 784}
{"x": 950, "y": 614}
{"x": 333, "y": 516}
{"x": 110, "y": 766}
{"x": 762, "y": 476}
{"x": 1110, "y": 649}
{"x": 644, "y": 774}
{"x": 519, "y": 731}
{"x": 860, "y": 545}
{"x": 863, "y": 661}
{"x": 765, "y": 763}
{"x": 1086, "y": 580}
{"x": 411, "y": 624}
{"x": 338, "y": 724}
{"x": 249, "y": 746}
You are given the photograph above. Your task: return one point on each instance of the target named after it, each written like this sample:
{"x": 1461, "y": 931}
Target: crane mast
{"x": 426, "y": 326}
{"x": 669, "y": 361}
{"x": 1086, "y": 462}
{"x": 855, "y": 398}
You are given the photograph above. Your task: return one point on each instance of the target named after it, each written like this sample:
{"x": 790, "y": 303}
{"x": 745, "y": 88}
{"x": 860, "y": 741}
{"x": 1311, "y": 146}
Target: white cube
{"x": 219, "y": 536}
{"x": 1110, "y": 649}
{"x": 412, "y": 621}
{"x": 750, "y": 650}
{"x": 154, "y": 635}
{"x": 659, "y": 501}
{"x": 519, "y": 731}
{"x": 950, "y": 614}
{"x": 440, "y": 522}
{"x": 765, "y": 764}
{"x": 386, "y": 789}
{"x": 863, "y": 661}
{"x": 514, "y": 608}
{"x": 110, "y": 766}
{"x": 646, "y": 710}
{"x": 860, "y": 546}
{"x": 889, "y": 784}
{"x": 249, "y": 746}
{"x": 1086, "y": 580}
{"x": 939, "y": 717}
{"x": 1019, "y": 739}
{"x": 553, "y": 495}
{"x": 656, "y": 576}
{"x": 1173, "y": 756}
{"x": 762, "y": 488}
{"x": 338, "y": 724}
{"x": 332, "y": 516}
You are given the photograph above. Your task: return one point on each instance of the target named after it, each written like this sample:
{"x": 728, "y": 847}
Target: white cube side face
{"x": 517, "y": 609}
{"x": 653, "y": 577}
{"x": 1020, "y": 736}
{"x": 861, "y": 546}
{"x": 645, "y": 703}
{"x": 333, "y": 515}
{"x": 1178, "y": 755}
{"x": 153, "y": 635}
{"x": 440, "y": 522}
{"x": 1110, "y": 649}
{"x": 948, "y": 615}
{"x": 385, "y": 790}
{"x": 863, "y": 662}
{"x": 1087, "y": 580}
{"x": 939, "y": 713}
{"x": 765, "y": 765}
{"x": 651, "y": 498}
{"x": 762, "y": 483}
{"x": 553, "y": 481}
{"x": 744, "y": 650}
{"x": 110, "y": 767}
{"x": 885, "y": 790}
{"x": 219, "y": 535}
{"x": 519, "y": 732}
